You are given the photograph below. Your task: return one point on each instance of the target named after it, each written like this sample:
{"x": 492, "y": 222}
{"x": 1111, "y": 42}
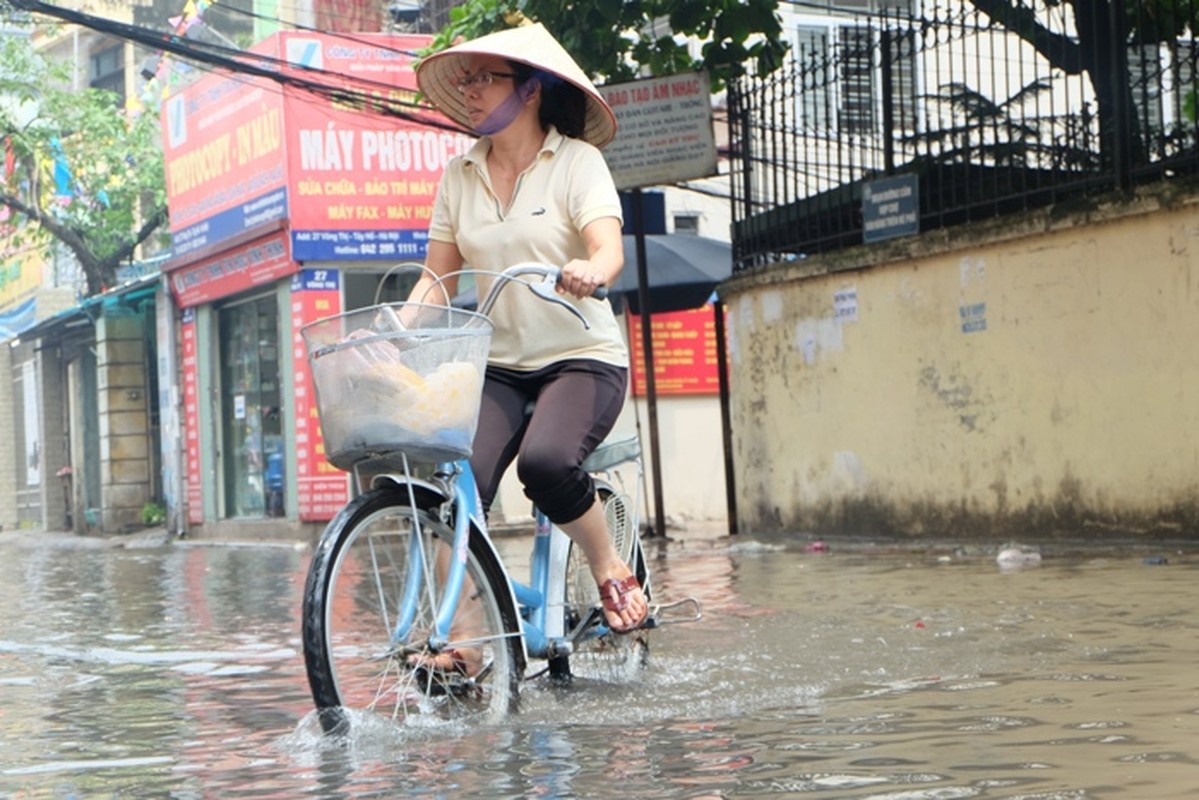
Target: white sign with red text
{"x": 664, "y": 130}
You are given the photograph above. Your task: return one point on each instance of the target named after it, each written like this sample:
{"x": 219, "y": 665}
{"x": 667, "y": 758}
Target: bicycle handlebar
{"x": 546, "y": 288}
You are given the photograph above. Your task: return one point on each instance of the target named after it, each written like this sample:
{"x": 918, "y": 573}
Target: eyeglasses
{"x": 480, "y": 80}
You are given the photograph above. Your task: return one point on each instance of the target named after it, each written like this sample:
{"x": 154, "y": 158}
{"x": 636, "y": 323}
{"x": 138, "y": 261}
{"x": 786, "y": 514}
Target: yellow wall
{"x": 1034, "y": 375}
{"x": 692, "y": 453}
{"x": 20, "y": 275}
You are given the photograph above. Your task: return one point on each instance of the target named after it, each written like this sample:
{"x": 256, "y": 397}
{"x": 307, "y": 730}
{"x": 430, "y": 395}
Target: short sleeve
{"x": 593, "y": 193}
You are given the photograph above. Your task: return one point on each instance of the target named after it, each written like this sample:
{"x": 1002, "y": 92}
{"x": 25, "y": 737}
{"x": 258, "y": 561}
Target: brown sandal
{"x": 614, "y": 594}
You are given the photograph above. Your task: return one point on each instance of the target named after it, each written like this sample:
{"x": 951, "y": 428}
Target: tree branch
{"x": 1059, "y": 50}
{"x": 149, "y": 226}
{"x": 69, "y": 236}
{"x": 16, "y": 204}
{"x": 66, "y": 234}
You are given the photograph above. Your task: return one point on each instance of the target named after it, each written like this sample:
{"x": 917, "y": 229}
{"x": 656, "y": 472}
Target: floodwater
{"x": 859, "y": 672}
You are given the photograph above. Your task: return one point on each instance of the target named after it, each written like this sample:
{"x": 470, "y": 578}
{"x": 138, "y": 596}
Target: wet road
{"x": 175, "y": 671}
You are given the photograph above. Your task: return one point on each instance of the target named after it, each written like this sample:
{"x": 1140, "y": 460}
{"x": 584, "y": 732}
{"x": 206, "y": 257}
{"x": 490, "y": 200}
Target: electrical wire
{"x": 374, "y": 95}
{"x": 300, "y": 27}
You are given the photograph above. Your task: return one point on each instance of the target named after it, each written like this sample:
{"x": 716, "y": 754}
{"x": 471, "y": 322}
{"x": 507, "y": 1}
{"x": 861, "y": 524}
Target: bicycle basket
{"x": 386, "y": 387}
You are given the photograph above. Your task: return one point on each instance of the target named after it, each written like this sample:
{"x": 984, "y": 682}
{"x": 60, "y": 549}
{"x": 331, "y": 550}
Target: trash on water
{"x": 1017, "y": 556}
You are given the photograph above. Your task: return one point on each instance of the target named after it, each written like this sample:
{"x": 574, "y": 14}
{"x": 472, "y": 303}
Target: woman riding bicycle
{"x": 535, "y": 188}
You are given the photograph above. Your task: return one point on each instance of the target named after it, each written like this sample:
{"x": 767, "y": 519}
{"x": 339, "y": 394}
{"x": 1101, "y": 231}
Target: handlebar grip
{"x": 600, "y": 293}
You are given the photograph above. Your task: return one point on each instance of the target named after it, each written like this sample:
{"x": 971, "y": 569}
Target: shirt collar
{"x": 477, "y": 154}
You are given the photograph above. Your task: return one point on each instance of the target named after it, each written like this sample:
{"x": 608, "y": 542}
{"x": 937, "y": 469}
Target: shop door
{"x": 251, "y": 428}
{"x": 83, "y": 435}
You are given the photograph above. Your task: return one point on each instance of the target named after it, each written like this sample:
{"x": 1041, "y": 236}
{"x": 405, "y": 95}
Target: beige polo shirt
{"x": 567, "y": 186}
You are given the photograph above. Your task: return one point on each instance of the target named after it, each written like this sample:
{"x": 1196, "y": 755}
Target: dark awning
{"x": 91, "y": 308}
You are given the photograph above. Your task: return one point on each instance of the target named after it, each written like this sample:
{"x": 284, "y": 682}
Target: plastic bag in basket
{"x": 447, "y": 398}
{"x": 373, "y": 402}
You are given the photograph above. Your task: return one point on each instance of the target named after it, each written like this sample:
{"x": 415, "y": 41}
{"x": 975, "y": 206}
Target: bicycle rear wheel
{"x": 613, "y": 657}
{"x": 359, "y": 653}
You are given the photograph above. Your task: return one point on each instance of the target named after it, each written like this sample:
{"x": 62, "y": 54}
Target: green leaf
{"x": 690, "y": 16}
{"x": 614, "y": 40}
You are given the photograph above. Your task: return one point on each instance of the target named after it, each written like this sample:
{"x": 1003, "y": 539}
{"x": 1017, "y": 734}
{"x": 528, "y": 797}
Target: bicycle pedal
{"x": 663, "y": 614}
{"x": 436, "y": 683}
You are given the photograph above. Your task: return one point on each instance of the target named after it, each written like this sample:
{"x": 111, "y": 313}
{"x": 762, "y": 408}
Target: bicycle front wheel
{"x": 372, "y": 594}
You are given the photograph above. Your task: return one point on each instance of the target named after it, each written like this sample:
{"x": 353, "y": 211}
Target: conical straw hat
{"x": 437, "y": 75}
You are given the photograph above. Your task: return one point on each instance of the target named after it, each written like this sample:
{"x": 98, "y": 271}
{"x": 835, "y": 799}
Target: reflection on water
{"x": 853, "y": 673}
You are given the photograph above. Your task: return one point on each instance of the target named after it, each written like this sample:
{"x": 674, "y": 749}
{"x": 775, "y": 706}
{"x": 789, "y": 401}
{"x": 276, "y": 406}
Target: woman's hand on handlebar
{"x": 581, "y": 278}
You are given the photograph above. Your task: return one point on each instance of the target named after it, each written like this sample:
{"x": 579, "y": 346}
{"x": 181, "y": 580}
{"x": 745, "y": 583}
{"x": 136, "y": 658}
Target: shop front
{"x": 285, "y": 208}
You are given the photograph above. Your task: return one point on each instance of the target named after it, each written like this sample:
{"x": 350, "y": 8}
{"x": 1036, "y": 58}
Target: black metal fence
{"x": 1089, "y": 96}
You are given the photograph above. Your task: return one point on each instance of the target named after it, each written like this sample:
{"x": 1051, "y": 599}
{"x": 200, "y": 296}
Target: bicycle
{"x": 407, "y": 569}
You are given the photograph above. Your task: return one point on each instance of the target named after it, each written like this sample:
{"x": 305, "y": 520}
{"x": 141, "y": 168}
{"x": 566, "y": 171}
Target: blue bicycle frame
{"x": 542, "y": 632}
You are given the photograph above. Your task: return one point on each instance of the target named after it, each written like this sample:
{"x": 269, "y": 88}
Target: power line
{"x": 297, "y": 26}
{"x": 255, "y": 64}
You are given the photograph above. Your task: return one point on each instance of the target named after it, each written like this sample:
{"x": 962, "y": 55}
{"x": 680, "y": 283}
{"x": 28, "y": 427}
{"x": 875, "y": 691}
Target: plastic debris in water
{"x": 1016, "y": 556}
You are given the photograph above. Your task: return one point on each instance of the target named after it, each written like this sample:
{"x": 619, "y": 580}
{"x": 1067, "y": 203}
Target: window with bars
{"x": 856, "y": 66}
{"x": 840, "y": 75}
{"x": 1162, "y": 84}
{"x": 1145, "y": 83}
{"x": 1184, "y": 58}
{"x": 811, "y": 51}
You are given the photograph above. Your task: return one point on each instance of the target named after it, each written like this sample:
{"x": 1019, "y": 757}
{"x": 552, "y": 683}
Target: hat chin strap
{"x": 507, "y": 112}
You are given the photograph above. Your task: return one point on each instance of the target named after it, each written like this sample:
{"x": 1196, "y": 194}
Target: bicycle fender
{"x": 400, "y": 480}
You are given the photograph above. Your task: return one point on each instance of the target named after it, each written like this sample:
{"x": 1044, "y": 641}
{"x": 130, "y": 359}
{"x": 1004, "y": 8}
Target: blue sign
{"x": 226, "y": 224}
{"x": 890, "y": 208}
{"x": 324, "y": 279}
{"x": 359, "y": 245}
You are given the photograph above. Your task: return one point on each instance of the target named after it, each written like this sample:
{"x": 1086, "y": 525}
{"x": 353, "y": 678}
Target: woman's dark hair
{"x": 563, "y": 104}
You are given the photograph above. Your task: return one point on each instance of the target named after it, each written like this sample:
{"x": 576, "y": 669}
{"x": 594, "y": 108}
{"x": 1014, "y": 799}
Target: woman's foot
{"x": 625, "y": 608}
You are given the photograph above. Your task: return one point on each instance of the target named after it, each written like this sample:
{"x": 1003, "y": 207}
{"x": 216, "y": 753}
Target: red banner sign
{"x": 323, "y": 489}
{"x": 353, "y": 181}
{"x": 257, "y": 263}
{"x": 224, "y": 160}
{"x": 193, "y": 473}
{"x": 362, "y": 183}
{"x": 684, "y": 345}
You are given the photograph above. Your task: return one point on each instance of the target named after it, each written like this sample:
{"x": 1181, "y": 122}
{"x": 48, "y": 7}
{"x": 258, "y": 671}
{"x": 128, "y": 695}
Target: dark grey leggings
{"x": 577, "y": 403}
